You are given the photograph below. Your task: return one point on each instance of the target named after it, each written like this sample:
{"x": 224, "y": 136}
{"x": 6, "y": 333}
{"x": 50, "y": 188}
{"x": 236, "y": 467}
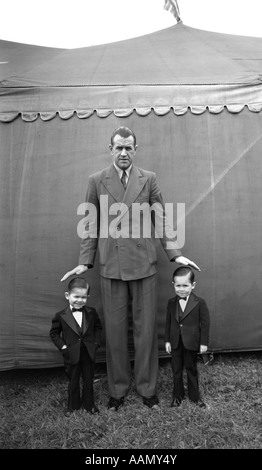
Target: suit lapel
{"x": 69, "y": 319}
{"x": 135, "y": 185}
{"x": 191, "y": 303}
{"x": 114, "y": 186}
{"x": 86, "y": 320}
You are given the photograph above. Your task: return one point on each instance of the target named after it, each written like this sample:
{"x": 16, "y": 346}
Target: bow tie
{"x": 182, "y": 298}
{"x": 77, "y": 310}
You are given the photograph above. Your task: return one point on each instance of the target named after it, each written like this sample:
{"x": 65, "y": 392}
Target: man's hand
{"x": 203, "y": 349}
{"x": 168, "y": 348}
{"x": 186, "y": 262}
{"x": 80, "y": 269}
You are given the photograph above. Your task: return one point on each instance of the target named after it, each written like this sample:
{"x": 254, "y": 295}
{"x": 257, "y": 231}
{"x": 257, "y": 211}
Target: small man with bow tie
{"x": 76, "y": 332}
{"x": 186, "y": 334}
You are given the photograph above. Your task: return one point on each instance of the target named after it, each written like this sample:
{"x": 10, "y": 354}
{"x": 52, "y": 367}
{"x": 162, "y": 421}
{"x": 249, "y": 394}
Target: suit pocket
{"x": 196, "y": 340}
{"x": 65, "y": 353}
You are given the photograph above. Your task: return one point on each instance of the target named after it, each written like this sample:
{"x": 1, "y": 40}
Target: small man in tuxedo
{"x": 76, "y": 332}
{"x": 186, "y": 334}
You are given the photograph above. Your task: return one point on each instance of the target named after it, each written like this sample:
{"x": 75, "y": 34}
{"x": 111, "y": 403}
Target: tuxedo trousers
{"x": 185, "y": 358}
{"x": 118, "y": 296}
{"x": 84, "y": 368}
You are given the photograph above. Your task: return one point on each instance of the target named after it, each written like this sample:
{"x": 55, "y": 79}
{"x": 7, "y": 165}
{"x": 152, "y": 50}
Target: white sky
{"x": 80, "y": 23}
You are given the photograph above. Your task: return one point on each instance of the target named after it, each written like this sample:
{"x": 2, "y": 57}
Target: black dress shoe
{"x": 201, "y": 404}
{"x": 93, "y": 411}
{"x": 175, "y": 402}
{"x": 115, "y": 403}
{"x": 151, "y": 402}
{"x": 69, "y": 412}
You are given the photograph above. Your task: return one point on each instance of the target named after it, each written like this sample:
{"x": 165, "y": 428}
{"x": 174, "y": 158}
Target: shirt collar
{"x": 120, "y": 172}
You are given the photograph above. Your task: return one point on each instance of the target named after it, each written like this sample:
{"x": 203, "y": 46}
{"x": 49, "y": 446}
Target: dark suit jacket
{"x": 130, "y": 257}
{"x": 194, "y": 323}
{"x": 64, "y": 331}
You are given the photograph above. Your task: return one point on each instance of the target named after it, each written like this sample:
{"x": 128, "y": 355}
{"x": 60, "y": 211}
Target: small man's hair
{"x": 78, "y": 283}
{"x": 184, "y": 271}
{"x": 123, "y": 132}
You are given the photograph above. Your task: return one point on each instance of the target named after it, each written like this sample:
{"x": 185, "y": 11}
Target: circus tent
{"x": 194, "y": 100}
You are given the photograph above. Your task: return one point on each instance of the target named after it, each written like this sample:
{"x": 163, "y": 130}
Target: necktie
{"x": 123, "y": 179}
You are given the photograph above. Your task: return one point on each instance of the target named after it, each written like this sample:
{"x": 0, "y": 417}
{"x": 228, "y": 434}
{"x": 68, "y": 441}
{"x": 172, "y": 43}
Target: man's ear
{"x": 67, "y": 295}
{"x": 111, "y": 147}
{"x": 193, "y": 285}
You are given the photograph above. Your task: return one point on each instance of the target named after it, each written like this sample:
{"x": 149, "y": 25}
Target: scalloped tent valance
{"x": 103, "y": 113}
{"x": 178, "y": 69}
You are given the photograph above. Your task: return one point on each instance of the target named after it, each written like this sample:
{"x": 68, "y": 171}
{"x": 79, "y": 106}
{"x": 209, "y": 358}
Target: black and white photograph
{"x": 131, "y": 231}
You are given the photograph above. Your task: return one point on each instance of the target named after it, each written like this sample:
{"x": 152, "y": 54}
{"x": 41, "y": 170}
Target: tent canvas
{"x": 17, "y": 58}
{"x": 194, "y": 100}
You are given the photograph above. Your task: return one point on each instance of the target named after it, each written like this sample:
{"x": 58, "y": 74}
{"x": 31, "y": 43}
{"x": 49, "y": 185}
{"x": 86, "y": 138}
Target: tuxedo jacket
{"x": 65, "y": 331}
{"x": 194, "y": 324}
{"x": 131, "y": 255}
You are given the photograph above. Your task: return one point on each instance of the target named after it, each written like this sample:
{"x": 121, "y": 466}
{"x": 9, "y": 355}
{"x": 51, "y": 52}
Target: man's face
{"x": 123, "y": 151}
{"x": 77, "y": 297}
{"x": 183, "y": 286}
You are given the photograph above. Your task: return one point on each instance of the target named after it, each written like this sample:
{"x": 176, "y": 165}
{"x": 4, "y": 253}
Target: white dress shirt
{"x": 120, "y": 172}
{"x": 183, "y": 303}
{"x": 78, "y": 315}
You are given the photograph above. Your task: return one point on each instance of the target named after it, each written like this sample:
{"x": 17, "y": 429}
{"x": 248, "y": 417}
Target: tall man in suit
{"x": 127, "y": 266}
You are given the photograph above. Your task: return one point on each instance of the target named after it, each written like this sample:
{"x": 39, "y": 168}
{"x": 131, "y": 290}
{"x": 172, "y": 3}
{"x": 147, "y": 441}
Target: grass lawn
{"x": 33, "y": 402}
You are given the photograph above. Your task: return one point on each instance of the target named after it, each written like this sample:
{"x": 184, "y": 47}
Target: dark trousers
{"x": 185, "y": 358}
{"x": 116, "y": 296}
{"x": 85, "y": 367}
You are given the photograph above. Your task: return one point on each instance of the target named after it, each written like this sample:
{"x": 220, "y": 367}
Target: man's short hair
{"x": 124, "y": 132}
{"x": 184, "y": 271}
{"x": 78, "y": 283}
